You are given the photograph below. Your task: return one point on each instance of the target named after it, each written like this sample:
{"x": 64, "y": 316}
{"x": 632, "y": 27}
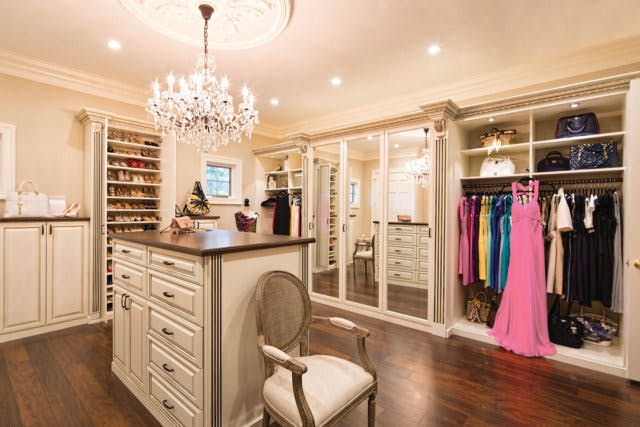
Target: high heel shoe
{"x": 73, "y": 211}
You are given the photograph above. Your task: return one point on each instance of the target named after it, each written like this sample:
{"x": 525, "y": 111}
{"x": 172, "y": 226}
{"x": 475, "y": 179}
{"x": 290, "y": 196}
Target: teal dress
{"x": 505, "y": 244}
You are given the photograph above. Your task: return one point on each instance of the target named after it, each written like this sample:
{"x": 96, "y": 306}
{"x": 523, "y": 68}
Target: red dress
{"x": 521, "y": 321}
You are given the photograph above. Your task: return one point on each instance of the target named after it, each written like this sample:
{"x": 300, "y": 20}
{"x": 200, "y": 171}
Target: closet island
{"x": 184, "y": 328}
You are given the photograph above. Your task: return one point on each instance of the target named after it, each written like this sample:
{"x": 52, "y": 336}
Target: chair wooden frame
{"x": 274, "y": 356}
{"x": 355, "y": 258}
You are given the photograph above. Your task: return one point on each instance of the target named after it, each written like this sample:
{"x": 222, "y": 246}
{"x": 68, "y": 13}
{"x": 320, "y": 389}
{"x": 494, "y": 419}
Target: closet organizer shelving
{"x": 125, "y": 192}
{"x": 535, "y": 126}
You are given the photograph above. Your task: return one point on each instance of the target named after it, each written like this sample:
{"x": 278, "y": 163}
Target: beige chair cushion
{"x": 329, "y": 385}
{"x": 364, "y": 254}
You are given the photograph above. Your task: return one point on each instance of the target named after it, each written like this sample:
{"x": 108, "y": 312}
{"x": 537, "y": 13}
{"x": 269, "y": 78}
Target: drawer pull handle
{"x": 166, "y": 404}
{"x": 396, "y": 274}
{"x": 126, "y": 251}
{"x": 397, "y": 262}
{"x": 165, "y": 262}
{"x": 166, "y": 331}
{"x": 398, "y": 238}
{"x": 398, "y": 228}
{"x": 167, "y": 368}
{"x": 126, "y": 276}
{"x": 168, "y": 295}
{"x": 397, "y": 251}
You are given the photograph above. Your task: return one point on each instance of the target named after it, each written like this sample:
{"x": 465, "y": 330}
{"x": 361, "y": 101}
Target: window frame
{"x": 235, "y": 178}
{"x": 356, "y": 203}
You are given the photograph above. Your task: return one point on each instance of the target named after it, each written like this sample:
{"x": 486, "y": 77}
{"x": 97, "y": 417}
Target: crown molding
{"x": 55, "y": 75}
{"x": 597, "y": 62}
{"x": 92, "y": 115}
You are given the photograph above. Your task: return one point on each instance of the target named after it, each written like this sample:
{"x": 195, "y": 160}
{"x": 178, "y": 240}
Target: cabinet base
{"x": 43, "y": 329}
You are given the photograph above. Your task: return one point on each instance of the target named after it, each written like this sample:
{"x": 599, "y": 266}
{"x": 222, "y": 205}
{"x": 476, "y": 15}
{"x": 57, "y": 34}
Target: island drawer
{"x": 423, "y": 277}
{"x": 401, "y": 229}
{"x": 393, "y": 274}
{"x": 167, "y": 397}
{"x": 184, "y": 337}
{"x": 423, "y": 264}
{"x": 424, "y": 230}
{"x": 401, "y": 239}
{"x": 408, "y": 251}
{"x": 170, "y": 365}
{"x": 182, "y": 265}
{"x": 423, "y": 240}
{"x": 131, "y": 252}
{"x": 178, "y": 296}
{"x": 403, "y": 263}
{"x": 130, "y": 277}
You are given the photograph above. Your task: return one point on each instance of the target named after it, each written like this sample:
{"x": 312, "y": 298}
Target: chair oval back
{"x": 283, "y": 309}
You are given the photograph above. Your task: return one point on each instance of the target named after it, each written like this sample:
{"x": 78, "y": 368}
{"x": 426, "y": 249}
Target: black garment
{"x": 605, "y": 224}
{"x": 282, "y": 215}
{"x": 579, "y": 288}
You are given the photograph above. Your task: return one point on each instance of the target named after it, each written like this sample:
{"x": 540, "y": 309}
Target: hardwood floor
{"x": 362, "y": 289}
{"x": 64, "y": 379}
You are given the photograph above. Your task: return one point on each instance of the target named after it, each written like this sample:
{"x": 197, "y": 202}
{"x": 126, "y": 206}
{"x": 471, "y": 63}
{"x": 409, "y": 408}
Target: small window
{"x": 354, "y": 193}
{"x": 218, "y": 181}
{"x": 222, "y": 179}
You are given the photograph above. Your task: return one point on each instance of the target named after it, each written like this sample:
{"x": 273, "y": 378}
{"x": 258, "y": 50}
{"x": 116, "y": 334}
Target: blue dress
{"x": 505, "y": 246}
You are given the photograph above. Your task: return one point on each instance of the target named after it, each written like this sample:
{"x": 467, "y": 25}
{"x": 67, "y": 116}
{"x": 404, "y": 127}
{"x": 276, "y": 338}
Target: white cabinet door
{"x": 631, "y": 250}
{"x": 135, "y": 308}
{"x": 23, "y": 276}
{"x": 67, "y": 271}
{"x": 119, "y": 330}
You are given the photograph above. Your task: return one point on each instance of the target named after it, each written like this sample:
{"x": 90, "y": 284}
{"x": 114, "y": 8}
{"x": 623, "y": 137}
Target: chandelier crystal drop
{"x": 199, "y": 110}
{"x": 418, "y": 170}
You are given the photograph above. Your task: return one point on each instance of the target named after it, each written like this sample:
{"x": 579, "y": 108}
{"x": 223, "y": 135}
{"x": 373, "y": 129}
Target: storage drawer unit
{"x": 169, "y": 399}
{"x": 130, "y": 252}
{"x": 172, "y": 367}
{"x": 183, "y": 336}
{"x": 176, "y": 264}
{"x": 178, "y": 296}
{"x": 130, "y": 277}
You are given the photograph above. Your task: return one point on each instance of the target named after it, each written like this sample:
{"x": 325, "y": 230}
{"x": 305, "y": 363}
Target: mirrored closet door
{"x": 363, "y": 209}
{"x": 326, "y": 219}
{"x": 408, "y": 232}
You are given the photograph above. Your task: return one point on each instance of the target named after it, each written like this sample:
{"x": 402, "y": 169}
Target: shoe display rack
{"x": 333, "y": 216}
{"x": 124, "y": 192}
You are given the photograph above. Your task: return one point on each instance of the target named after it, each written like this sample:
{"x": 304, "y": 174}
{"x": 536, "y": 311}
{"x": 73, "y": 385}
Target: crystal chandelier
{"x": 200, "y": 111}
{"x": 418, "y": 170}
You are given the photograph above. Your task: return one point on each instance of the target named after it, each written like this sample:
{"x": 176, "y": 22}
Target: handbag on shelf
{"x": 564, "y": 330}
{"x": 493, "y": 310}
{"x": 497, "y": 166}
{"x": 497, "y": 137}
{"x": 594, "y": 156}
{"x": 197, "y": 204}
{"x": 26, "y": 204}
{"x": 554, "y": 162}
{"x": 597, "y": 328}
{"x": 578, "y": 125}
{"x": 180, "y": 225}
{"x": 477, "y": 308}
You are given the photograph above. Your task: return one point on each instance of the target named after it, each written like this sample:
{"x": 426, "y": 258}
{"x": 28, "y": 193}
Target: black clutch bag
{"x": 594, "y": 156}
{"x": 581, "y": 124}
{"x": 564, "y": 330}
{"x": 554, "y": 162}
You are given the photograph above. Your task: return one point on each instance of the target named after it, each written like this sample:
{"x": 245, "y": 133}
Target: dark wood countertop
{"x": 211, "y": 242}
{"x": 403, "y": 223}
{"x": 42, "y": 219}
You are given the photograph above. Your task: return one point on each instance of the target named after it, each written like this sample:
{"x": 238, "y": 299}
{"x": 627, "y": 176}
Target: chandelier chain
{"x": 206, "y": 43}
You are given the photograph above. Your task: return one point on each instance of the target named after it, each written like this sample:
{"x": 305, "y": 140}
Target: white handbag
{"x": 26, "y": 204}
{"x": 497, "y": 166}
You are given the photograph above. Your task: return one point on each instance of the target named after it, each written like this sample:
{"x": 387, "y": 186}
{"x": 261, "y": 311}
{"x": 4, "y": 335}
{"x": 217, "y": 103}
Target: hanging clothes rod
{"x": 560, "y": 182}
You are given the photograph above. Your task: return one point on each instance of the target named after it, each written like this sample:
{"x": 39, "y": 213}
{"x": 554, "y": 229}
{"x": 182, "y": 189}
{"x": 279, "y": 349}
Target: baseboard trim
{"x": 42, "y": 329}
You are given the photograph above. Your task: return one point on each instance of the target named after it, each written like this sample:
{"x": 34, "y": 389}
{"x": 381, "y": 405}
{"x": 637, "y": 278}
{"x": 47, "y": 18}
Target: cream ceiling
{"x": 378, "y": 47}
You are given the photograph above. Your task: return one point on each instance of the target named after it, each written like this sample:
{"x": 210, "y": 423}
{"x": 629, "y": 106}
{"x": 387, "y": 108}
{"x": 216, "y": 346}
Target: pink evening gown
{"x": 521, "y": 321}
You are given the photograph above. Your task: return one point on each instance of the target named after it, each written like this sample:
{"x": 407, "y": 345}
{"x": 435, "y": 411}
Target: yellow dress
{"x": 482, "y": 236}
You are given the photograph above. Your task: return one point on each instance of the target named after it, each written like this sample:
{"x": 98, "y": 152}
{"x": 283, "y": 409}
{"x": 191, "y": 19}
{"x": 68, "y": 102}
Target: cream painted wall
{"x": 188, "y": 170}
{"x": 49, "y": 138}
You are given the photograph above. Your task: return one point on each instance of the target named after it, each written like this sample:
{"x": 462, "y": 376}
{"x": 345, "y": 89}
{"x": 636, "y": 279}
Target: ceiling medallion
{"x": 237, "y": 24}
{"x": 199, "y": 110}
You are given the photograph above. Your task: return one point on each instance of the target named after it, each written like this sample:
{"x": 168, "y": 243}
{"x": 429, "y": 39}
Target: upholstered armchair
{"x": 306, "y": 390}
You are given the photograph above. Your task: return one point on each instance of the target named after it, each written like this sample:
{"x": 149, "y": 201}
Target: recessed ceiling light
{"x": 574, "y": 105}
{"x": 369, "y": 137}
{"x": 336, "y": 81}
{"x": 492, "y": 119}
{"x": 396, "y": 145}
{"x": 114, "y": 44}
{"x": 433, "y": 49}
{"x": 275, "y": 101}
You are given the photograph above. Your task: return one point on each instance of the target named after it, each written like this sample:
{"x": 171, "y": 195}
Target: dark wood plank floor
{"x": 64, "y": 379}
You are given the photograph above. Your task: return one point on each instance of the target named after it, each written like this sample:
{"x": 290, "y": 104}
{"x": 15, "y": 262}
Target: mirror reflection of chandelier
{"x": 418, "y": 170}
{"x": 200, "y": 111}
